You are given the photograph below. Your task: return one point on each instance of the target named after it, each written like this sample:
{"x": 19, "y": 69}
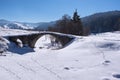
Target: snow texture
{"x": 94, "y": 57}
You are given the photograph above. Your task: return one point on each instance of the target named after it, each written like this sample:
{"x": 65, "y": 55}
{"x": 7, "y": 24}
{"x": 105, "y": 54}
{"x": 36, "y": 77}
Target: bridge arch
{"x": 31, "y": 39}
{"x": 48, "y": 40}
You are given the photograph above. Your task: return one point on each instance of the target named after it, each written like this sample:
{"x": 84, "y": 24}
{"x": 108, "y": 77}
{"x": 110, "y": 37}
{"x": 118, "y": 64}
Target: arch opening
{"x": 48, "y": 41}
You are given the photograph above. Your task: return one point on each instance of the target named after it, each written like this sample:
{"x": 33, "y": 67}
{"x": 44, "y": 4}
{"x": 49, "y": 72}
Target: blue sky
{"x": 50, "y": 10}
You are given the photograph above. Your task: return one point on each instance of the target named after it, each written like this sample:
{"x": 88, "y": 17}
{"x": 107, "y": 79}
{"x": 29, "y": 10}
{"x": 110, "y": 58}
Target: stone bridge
{"x": 31, "y": 39}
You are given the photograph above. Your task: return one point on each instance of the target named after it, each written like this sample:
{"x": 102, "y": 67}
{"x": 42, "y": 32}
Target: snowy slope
{"x": 95, "y": 57}
{"x": 11, "y": 32}
{"x": 25, "y": 25}
{"x": 14, "y": 25}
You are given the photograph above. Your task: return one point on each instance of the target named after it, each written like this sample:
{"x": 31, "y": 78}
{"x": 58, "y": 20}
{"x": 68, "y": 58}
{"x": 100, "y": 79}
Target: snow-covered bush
{"x": 3, "y": 45}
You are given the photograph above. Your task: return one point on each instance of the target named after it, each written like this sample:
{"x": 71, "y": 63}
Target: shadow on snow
{"x": 18, "y": 50}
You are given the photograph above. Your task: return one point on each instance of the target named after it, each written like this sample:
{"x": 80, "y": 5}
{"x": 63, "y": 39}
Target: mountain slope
{"x": 13, "y": 25}
{"x": 25, "y": 25}
{"x": 45, "y": 25}
{"x": 103, "y": 22}
{"x": 99, "y": 22}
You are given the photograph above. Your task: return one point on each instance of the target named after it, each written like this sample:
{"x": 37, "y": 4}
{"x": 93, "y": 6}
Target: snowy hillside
{"x": 94, "y": 57}
{"x": 13, "y": 25}
{"x": 25, "y": 25}
{"x": 11, "y": 32}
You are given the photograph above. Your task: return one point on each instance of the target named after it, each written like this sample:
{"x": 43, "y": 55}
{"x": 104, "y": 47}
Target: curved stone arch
{"x": 52, "y": 40}
{"x": 37, "y": 36}
{"x": 31, "y": 39}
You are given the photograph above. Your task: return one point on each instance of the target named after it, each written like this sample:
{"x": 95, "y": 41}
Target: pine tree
{"x": 76, "y": 17}
{"x": 69, "y": 26}
{"x": 77, "y": 24}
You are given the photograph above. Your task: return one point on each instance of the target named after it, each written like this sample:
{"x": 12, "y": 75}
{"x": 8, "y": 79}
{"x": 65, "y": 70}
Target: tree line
{"x": 69, "y": 25}
{"x": 97, "y": 23}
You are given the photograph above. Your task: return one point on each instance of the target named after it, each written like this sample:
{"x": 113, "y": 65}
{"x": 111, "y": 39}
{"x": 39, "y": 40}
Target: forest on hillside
{"x": 96, "y": 23}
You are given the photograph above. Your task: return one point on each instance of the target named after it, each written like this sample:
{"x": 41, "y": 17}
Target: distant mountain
{"x": 25, "y": 25}
{"x": 103, "y": 22}
{"x": 34, "y": 25}
{"x": 99, "y": 22}
{"x": 3, "y": 22}
{"x": 13, "y": 25}
{"x": 44, "y": 25}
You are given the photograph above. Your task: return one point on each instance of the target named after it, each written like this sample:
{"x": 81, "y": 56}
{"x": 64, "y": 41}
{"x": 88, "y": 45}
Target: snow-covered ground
{"x": 94, "y": 57}
{"x": 11, "y": 32}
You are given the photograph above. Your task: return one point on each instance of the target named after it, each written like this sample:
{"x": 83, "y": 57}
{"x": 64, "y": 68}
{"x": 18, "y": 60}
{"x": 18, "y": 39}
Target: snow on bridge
{"x": 31, "y": 39}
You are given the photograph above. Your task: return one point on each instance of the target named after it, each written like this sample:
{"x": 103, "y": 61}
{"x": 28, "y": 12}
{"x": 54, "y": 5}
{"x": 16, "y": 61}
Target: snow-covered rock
{"x": 19, "y": 42}
{"x": 3, "y": 45}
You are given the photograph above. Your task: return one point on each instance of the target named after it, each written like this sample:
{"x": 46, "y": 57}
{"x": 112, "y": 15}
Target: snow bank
{"x": 3, "y": 45}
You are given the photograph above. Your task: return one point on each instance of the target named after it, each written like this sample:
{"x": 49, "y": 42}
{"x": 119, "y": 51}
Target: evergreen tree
{"x": 77, "y": 24}
{"x": 69, "y": 26}
{"x": 76, "y": 17}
